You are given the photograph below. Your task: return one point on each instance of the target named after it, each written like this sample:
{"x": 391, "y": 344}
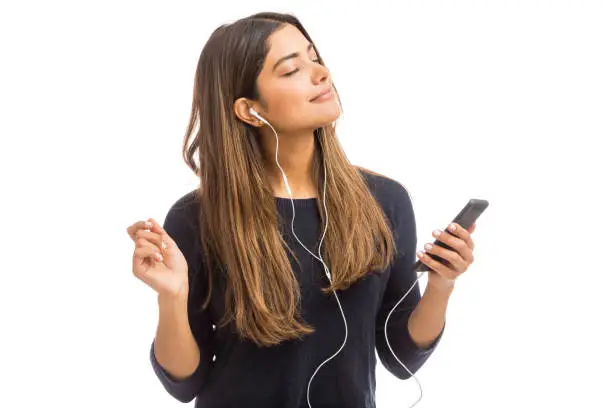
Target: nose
{"x": 321, "y": 74}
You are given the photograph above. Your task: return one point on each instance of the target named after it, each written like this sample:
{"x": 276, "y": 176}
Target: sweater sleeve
{"x": 401, "y": 277}
{"x": 182, "y": 226}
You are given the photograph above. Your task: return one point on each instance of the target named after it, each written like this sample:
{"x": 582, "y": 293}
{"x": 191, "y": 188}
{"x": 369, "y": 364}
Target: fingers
{"x": 462, "y": 233}
{"x": 143, "y": 260}
{"x": 166, "y": 240}
{"x": 152, "y": 237}
{"x": 454, "y": 242}
{"x": 131, "y": 230}
{"x": 148, "y": 251}
{"x": 452, "y": 257}
{"x": 141, "y": 242}
{"x": 437, "y": 266}
{"x": 150, "y": 230}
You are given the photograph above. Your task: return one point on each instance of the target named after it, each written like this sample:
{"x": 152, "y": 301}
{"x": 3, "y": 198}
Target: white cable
{"x": 328, "y": 274}
{"x": 391, "y": 349}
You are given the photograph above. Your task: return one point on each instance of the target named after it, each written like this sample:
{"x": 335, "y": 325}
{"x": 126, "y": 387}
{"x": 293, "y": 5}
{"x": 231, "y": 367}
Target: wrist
{"x": 442, "y": 290}
{"x": 175, "y": 293}
{"x": 172, "y": 300}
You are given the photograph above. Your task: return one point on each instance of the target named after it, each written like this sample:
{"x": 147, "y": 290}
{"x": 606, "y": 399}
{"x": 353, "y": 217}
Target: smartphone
{"x": 466, "y": 218}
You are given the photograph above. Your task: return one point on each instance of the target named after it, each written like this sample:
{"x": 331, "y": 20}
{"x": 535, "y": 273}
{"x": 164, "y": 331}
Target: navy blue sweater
{"x": 237, "y": 373}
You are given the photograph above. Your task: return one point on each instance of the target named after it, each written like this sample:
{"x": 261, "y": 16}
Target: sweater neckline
{"x": 298, "y": 202}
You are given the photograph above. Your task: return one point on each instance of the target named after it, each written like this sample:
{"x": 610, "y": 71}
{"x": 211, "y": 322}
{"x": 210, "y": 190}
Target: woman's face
{"x": 288, "y": 85}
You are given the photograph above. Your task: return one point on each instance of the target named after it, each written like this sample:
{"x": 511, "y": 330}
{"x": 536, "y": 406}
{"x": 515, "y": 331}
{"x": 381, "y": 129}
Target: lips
{"x": 326, "y": 90}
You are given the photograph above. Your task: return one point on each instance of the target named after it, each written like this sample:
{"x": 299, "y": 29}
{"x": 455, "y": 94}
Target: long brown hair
{"x": 239, "y": 223}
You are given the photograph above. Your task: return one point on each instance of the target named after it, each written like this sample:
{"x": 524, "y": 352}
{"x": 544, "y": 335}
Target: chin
{"x": 327, "y": 118}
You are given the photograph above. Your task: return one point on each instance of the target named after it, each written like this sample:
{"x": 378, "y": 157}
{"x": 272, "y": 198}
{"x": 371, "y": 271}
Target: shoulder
{"x": 390, "y": 193}
{"x": 182, "y": 225}
{"x": 184, "y": 212}
{"x": 187, "y": 202}
{"x": 396, "y": 202}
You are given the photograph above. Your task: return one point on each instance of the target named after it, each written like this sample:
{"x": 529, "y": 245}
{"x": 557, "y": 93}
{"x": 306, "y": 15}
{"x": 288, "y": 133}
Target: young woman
{"x": 252, "y": 302}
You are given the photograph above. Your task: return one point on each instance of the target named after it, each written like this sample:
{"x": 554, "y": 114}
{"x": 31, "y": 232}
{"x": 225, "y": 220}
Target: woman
{"x": 252, "y": 304}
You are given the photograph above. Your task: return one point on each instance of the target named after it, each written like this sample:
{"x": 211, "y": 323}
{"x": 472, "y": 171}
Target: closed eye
{"x": 318, "y": 61}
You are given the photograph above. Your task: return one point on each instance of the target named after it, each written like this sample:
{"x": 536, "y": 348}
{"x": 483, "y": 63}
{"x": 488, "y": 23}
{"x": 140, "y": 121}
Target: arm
{"x": 181, "y": 353}
{"x": 429, "y": 317}
{"x": 401, "y": 277}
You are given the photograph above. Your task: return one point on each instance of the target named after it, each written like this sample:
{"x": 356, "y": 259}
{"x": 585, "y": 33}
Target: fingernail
{"x": 452, "y": 227}
{"x": 159, "y": 257}
{"x": 436, "y": 233}
{"x": 163, "y": 245}
{"x": 148, "y": 224}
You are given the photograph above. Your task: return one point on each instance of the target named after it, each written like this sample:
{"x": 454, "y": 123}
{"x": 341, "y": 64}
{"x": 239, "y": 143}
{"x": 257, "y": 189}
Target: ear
{"x": 241, "y": 109}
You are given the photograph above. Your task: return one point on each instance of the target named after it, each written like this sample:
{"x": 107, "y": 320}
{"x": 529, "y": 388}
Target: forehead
{"x": 286, "y": 40}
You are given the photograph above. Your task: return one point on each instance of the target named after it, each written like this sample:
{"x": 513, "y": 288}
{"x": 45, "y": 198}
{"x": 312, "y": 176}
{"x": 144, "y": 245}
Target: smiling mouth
{"x": 322, "y": 95}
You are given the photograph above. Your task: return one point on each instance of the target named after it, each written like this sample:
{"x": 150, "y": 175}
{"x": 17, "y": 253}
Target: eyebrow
{"x": 292, "y": 55}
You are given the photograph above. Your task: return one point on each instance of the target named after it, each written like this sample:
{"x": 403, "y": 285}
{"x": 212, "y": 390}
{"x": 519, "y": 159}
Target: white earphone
{"x": 327, "y": 273}
{"x": 258, "y": 116}
{"x": 252, "y": 111}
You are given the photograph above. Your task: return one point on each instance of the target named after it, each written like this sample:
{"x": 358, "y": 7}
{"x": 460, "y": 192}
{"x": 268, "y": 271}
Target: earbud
{"x": 254, "y": 113}
{"x": 258, "y": 116}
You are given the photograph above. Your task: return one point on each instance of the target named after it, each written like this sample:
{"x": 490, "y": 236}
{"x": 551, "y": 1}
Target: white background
{"x": 508, "y": 101}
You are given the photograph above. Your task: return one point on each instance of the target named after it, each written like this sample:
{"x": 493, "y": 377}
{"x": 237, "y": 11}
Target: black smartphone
{"x": 466, "y": 218}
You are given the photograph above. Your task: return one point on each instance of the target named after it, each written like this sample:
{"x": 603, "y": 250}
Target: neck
{"x": 296, "y": 156}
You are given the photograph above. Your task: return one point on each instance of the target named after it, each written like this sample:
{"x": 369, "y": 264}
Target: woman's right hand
{"x": 157, "y": 260}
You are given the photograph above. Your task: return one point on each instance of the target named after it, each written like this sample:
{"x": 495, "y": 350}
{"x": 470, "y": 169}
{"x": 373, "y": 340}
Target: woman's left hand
{"x": 443, "y": 276}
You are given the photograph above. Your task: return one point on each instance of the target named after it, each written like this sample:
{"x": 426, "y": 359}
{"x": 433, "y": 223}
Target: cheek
{"x": 289, "y": 102}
